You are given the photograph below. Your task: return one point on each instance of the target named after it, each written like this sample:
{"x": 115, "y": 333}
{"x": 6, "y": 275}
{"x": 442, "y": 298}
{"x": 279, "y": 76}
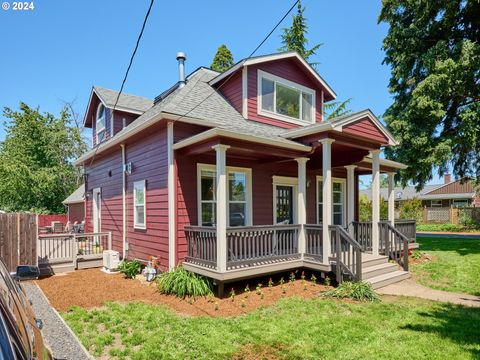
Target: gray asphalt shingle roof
{"x": 75, "y": 197}
{"x": 410, "y": 192}
{"x": 133, "y": 102}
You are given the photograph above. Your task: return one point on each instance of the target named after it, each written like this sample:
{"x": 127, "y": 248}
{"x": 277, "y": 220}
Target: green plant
{"x": 130, "y": 269}
{"x": 270, "y": 283}
{"x": 182, "y": 283}
{"x": 361, "y": 291}
{"x": 411, "y": 209}
{"x": 232, "y": 294}
{"x": 282, "y": 281}
{"x": 258, "y": 289}
{"x": 416, "y": 254}
{"x": 292, "y": 277}
{"x": 302, "y": 276}
{"x": 327, "y": 280}
{"x": 313, "y": 279}
{"x": 247, "y": 291}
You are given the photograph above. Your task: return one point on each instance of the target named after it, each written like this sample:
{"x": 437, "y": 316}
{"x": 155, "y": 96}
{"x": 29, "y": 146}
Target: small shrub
{"x": 327, "y": 280}
{"x": 416, "y": 254}
{"x": 292, "y": 277}
{"x": 247, "y": 291}
{"x": 303, "y": 275}
{"x": 182, "y": 283}
{"x": 360, "y": 291}
{"x": 313, "y": 279}
{"x": 232, "y": 294}
{"x": 282, "y": 281}
{"x": 130, "y": 269}
{"x": 270, "y": 284}
{"x": 258, "y": 289}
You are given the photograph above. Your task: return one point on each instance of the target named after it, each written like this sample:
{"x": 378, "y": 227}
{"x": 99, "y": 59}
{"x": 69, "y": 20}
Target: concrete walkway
{"x": 410, "y": 288}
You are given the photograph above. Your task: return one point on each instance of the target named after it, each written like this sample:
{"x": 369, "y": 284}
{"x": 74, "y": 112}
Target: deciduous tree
{"x": 36, "y": 171}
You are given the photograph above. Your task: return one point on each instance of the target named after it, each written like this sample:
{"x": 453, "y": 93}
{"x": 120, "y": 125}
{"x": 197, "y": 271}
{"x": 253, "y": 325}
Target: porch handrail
{"x": 201, "y": 245}
{"x": 347, "y": 254}
{"x": 407, "y": 227}
{"x": 393, "y": 243}
{"x": 362, "y": 232}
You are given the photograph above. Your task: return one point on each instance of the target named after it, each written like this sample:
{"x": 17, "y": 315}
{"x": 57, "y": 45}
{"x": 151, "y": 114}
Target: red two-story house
{"x": 237, "y": 174}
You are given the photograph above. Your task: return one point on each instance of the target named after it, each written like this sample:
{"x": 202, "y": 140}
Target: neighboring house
{"x": 450, "y": 193}
{"x": 75, "y": 204}
{"x": 185, "y": 177}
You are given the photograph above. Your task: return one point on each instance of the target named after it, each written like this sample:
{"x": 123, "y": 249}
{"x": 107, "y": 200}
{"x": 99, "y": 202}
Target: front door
{"x": 97, "y": 200}
{"x": 284, "y": 206}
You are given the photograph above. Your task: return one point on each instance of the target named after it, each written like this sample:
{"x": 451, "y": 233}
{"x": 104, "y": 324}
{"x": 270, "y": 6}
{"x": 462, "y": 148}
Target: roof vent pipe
{"x": 181, "y": 57}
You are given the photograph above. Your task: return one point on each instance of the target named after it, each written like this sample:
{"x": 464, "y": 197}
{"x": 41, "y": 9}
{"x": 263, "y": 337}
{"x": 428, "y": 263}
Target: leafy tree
{"x": 223, "y": 59}
{"x": 36, "y": 171}
{"x": 365, "y": 208}
{"x": 433, "y": 49}
{"x": 294, "y": 38}
{"x": 411, "y": 209}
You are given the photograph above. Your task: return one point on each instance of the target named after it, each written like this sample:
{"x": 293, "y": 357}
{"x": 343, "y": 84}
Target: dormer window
{"x": 285, "y": 100}
{"x": 100, "y": 123}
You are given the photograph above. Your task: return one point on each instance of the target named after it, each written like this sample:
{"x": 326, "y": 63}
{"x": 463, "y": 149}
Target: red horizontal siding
{"x": 46, "y": 220}
{"x": 232, "y": 90}
{"x": 366, "y": 128}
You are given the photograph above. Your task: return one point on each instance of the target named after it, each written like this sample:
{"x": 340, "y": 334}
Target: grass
{"x": 446, "y": 228}
{"x": 456, "y": 264}
{"x": 182, "y": 283}
{"x": 291, "y": 329}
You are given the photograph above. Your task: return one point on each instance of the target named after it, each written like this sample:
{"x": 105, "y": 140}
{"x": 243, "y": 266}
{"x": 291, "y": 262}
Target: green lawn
{"x": 291, "y": 329}
{"x": 456, "y": 267}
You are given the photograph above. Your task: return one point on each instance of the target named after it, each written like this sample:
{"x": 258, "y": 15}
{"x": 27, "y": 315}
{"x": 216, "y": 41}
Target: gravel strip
{"x": 59, "y": 337}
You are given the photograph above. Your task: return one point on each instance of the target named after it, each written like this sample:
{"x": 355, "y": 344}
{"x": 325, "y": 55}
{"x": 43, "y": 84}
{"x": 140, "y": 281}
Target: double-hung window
{"x": 285, "y": 100}
{"x": 238, "y": 196}
{"x": 100, "y": 123}
{"x": 139, "y": 205}
{"x": 338, "y": 201}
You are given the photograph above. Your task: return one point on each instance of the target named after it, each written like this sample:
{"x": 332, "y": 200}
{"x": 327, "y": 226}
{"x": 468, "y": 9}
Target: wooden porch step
{"x": 372, "y": 260}
{"x": 387, "y": 279}
{"x": 377, "y": 270}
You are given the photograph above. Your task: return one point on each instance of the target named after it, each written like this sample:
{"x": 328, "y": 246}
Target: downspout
{"x": 124, "y": 204}
{"x": 171, "y": 199}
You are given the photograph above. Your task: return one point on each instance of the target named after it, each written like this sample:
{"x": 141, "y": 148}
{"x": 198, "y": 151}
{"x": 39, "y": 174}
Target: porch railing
{"x": 248, "y": 245}
{"x": 347, "y": 254}
{"x": 314, "y": 242}
{"x": 394, "y": 244}
{"x": 202, "y": 246}
{"x": 407, "y": 228}
{"x": 362, "y": 232}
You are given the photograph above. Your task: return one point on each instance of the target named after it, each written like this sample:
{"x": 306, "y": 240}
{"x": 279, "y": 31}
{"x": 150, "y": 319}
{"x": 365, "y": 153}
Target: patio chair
{"x": 57, "y": 226}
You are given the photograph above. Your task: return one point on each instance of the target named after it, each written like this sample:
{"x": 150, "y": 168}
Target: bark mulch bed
{"x": 92, "y": 288}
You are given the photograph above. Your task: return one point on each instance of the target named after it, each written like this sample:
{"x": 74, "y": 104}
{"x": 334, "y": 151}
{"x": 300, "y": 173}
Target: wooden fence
{"x": 449, "y": 215}
{"x": 18, "y": 239}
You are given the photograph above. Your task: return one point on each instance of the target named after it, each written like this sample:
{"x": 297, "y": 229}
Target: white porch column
{"x": 327, "y": 196}
{"x": 350, "y": 195}
{"x": 221, "y": 152}
{"x": 391, "y": 198}
{"x": 301, "y": 201}
{"x": 375, "y": 200}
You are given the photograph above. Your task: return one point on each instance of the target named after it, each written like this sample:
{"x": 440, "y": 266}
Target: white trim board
{"x": 344, "y": 195}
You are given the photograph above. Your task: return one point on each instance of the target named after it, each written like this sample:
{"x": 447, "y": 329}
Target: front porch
{"x": 261, "y": 250}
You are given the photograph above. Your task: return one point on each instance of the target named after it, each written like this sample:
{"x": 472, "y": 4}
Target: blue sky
{"x": 56, "y": 52}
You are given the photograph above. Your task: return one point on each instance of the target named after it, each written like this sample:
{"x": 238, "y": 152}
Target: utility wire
{"x": 243, "y": 61}
{"x": 128, "y": 69}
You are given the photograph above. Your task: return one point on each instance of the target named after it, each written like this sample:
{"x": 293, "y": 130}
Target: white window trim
{"x": 262, "y": 74}
{"x": 285, "y": 181}
{"x": 104, "y": 128}
{"x": 248, "y": 207}
{"x": 438, "y": 204}
{"x": 97, "y": 210}
{"x": 136, "y": 225}
{"x": 344, "y": 191}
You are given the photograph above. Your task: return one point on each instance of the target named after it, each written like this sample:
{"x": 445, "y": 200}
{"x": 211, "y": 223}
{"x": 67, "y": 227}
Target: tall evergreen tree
{"x": 36, "y": 171}
{"x": 223, "y": 59}
{"x": 294, "y": 38}
{"x": 433, "y": 49}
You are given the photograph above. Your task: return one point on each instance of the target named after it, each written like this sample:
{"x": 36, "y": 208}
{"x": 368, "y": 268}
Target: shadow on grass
{"x": 463, "y": 246}
{"x": 453, "y": 322}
